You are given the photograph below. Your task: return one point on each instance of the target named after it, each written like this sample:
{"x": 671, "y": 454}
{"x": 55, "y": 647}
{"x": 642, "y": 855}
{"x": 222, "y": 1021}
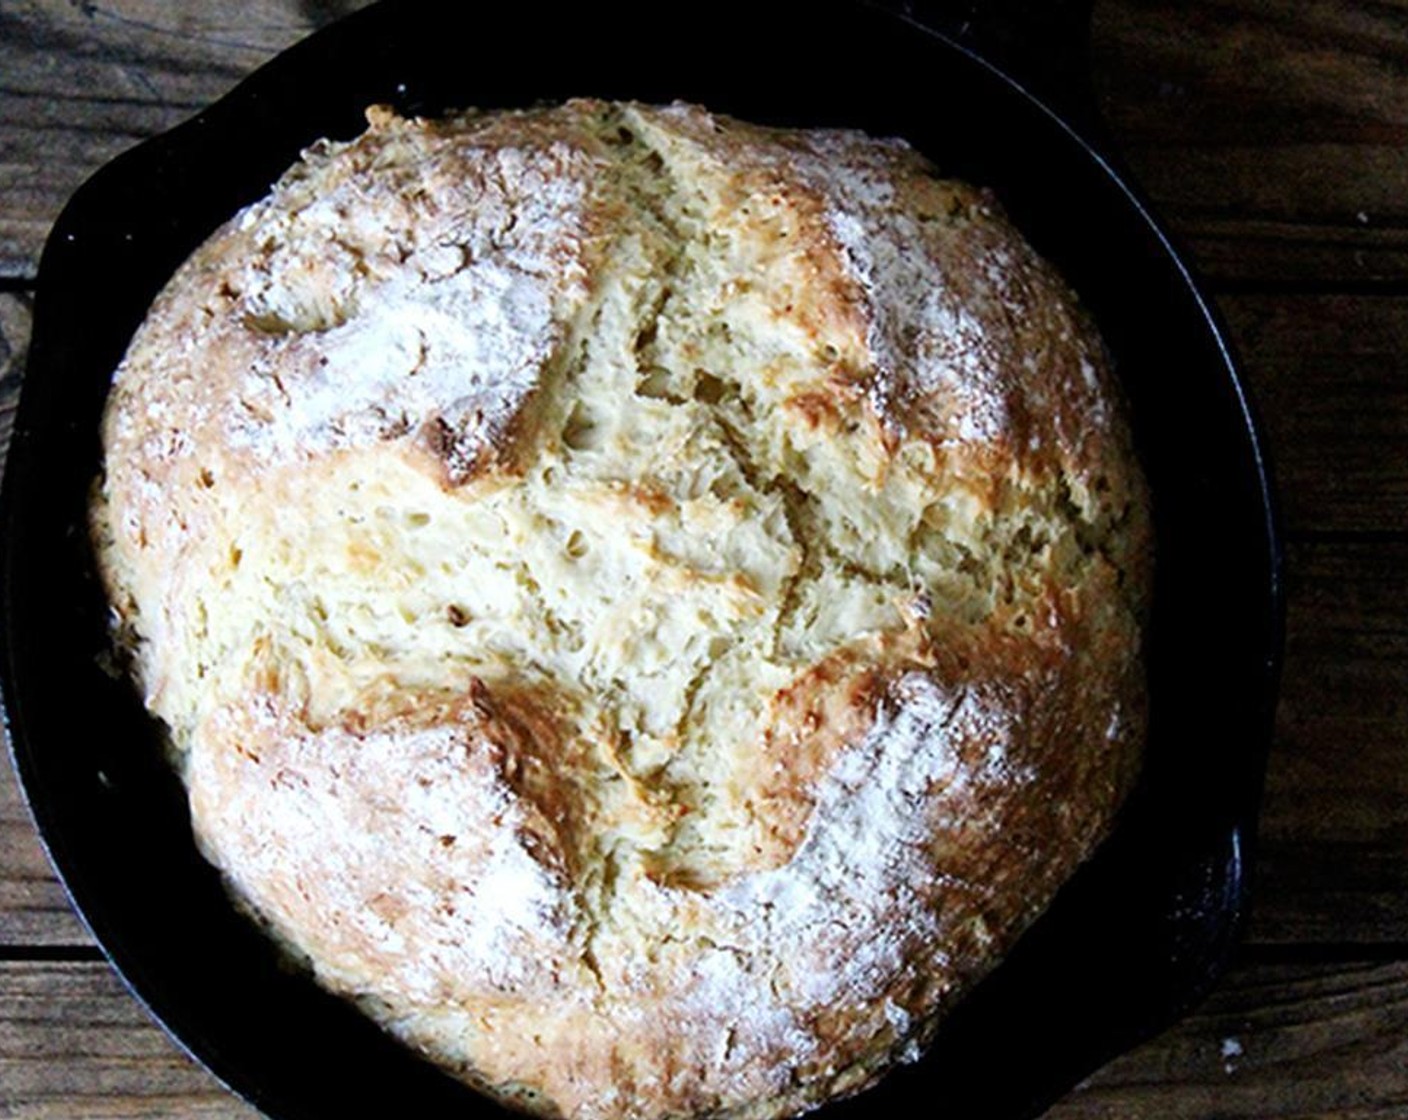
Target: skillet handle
{"x": 1044, "y": 45}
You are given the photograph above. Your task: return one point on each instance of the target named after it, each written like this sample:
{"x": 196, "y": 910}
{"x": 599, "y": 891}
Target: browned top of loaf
{"x": 782, "y": 661}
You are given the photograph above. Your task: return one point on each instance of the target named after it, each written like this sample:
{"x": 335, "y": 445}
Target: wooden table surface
{"x": 1273, "y": 134}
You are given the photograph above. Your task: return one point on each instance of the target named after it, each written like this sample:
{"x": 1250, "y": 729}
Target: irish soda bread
{"x": 645, "y": 604}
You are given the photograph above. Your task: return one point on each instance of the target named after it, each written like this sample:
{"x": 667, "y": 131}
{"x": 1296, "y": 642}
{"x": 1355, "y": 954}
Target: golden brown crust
{"x": 649, "y": 605}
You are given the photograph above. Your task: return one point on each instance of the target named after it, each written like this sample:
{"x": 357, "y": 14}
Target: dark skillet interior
{"x": 1132, "y": 940}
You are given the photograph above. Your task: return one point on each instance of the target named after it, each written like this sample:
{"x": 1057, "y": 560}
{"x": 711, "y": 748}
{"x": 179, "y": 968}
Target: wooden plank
{"x": 1299, "y": 71}
{"x": 1259, "y": 254}
{"x": 33, "y": 907}
{"x": 1328, "y": 377}
{"x": 15, "y": 321}
{"x": 1303, "y": 1041}
{"x": 1336, "y": 825}
{"x": 34, "y": 910}
{"x": 74, "y": 1045}
{"x": 1333, "y": 865}
{"x": 81, "y": 82}
{"x": 1326, "y": 372}
{"x": 1308, "y": 1042}
{"x": 1271, "y": 132}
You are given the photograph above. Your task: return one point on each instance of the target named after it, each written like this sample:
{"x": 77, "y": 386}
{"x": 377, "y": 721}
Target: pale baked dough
{"x": 648, "y": 605}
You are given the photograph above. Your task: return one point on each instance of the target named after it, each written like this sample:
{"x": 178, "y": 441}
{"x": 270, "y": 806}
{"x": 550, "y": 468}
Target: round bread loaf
{"x": 647, "y": 605}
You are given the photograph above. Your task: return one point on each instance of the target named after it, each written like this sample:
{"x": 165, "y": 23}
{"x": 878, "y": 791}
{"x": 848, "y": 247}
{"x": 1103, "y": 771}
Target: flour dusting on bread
{"x": 647, "y": 605}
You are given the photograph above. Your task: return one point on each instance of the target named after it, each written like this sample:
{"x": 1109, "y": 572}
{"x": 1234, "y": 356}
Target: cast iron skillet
{"x": 1131, "y": 942}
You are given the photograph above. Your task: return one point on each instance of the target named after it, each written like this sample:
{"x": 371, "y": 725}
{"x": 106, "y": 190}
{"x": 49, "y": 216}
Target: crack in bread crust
{"x": 646, "y": 604}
